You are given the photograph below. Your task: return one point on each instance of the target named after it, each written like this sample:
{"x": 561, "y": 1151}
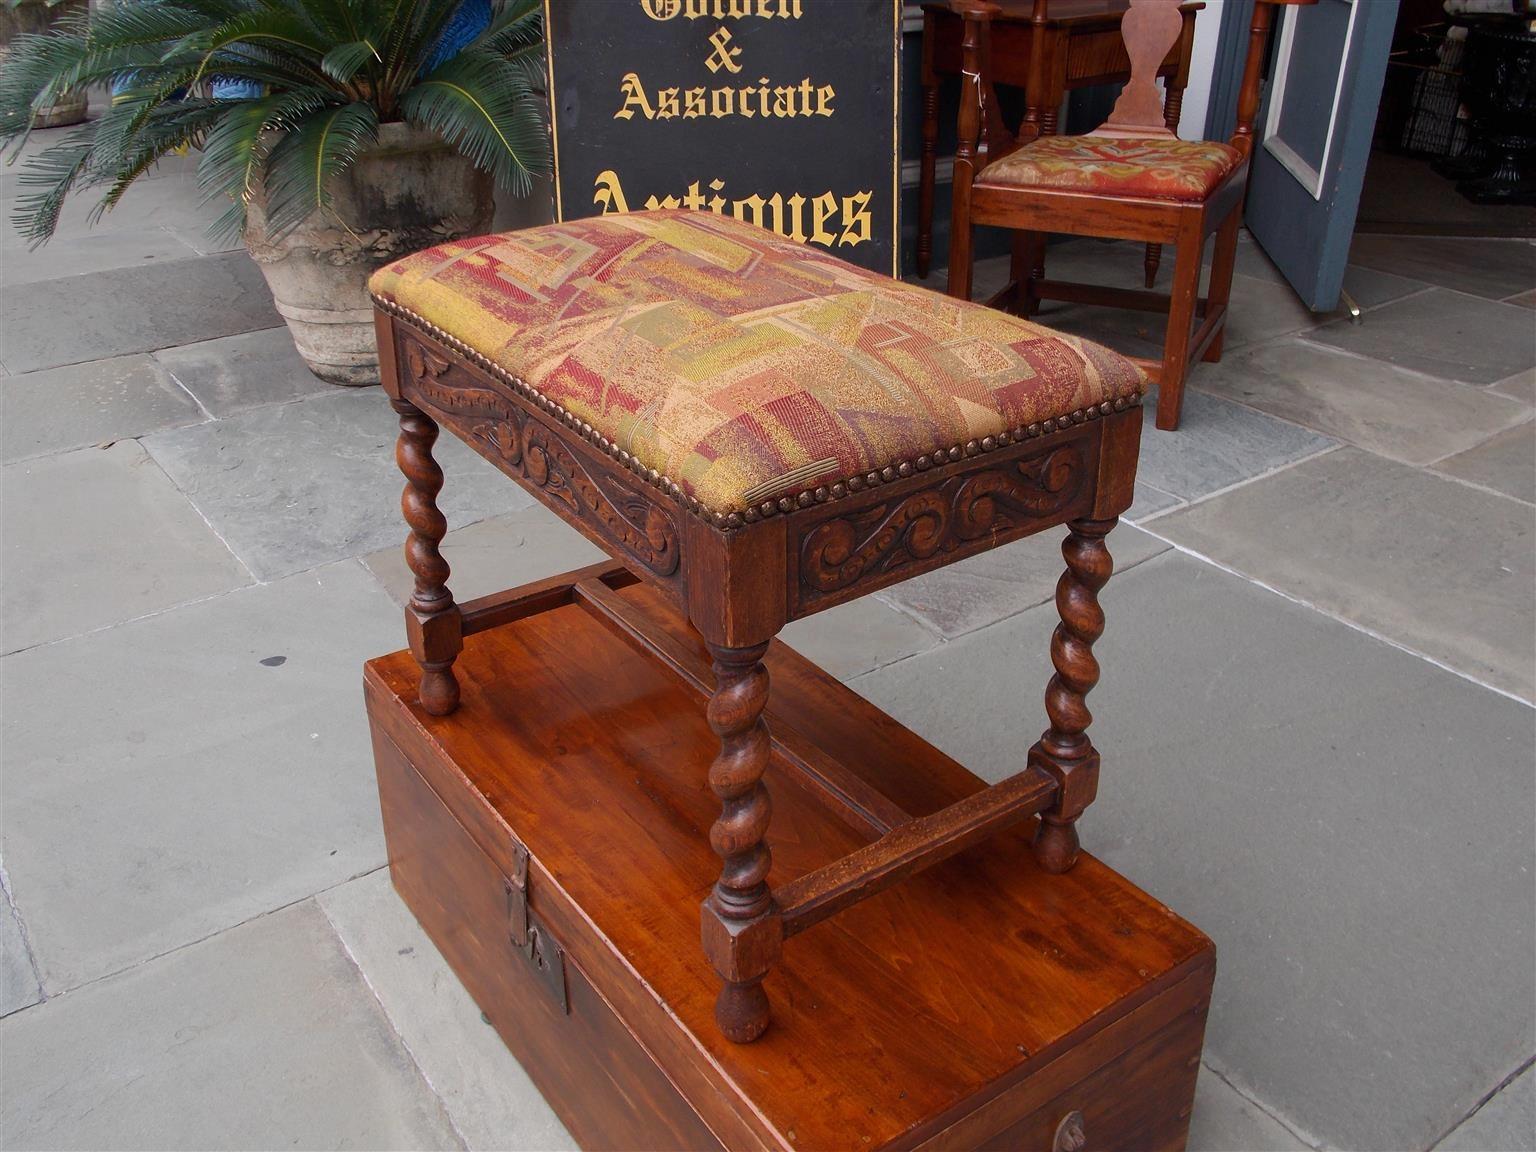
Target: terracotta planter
{"x": 33, "y": 16}
{"x": 408, "y": 192}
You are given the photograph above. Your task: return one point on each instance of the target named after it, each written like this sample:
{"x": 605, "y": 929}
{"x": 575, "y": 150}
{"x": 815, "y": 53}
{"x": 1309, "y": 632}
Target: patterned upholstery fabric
{"x": 742, "y": 366}
{"x": 1160, "y": 169}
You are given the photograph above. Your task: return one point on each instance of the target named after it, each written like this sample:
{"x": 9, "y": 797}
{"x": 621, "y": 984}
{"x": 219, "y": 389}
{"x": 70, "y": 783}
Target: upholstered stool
{"x": 761, "y": 431}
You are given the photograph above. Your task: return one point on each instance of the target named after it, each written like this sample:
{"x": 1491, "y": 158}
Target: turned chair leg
{"x": 1028, "y": 254}
{"x": 741, "y": 926}
{"x": 1173, "y": 108}
{"x": 927, "y": 166}
{"x": 433, "y": 622}
{"x": 1064, "y": 749}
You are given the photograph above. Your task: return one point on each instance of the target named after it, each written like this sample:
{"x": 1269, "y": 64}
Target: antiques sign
{"x": 781, "y": 113}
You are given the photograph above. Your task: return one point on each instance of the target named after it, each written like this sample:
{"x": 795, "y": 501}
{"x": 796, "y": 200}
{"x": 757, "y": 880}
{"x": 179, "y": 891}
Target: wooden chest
{"x": 552, "y": 838}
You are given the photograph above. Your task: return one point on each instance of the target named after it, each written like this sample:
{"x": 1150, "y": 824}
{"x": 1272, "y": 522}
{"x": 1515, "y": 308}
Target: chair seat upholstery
{"x": 743, "y": 367}
{"x": 1154, "y": 168}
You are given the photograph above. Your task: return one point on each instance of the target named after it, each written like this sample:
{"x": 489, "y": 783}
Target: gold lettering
{"x": 823, "y": 208}
{"x": 723, "y": 56}
{"x": 857, "y": 224}
{"x": 785, "y": 215}
{"x": 797, "y": 219}
{"x": 607, "y": 193}
{"x": 634, "y": 96}
{"x": 723, "y": 9}
{"x": 783, "y": 102}
{"x": 750, "y": 210}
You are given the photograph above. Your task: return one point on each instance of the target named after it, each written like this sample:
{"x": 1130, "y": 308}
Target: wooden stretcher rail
{"x": 541, "y": 596}
{"x": 852, "y": 798}
{"x": 914, "y": 846}
{"x": 904, "y": 845}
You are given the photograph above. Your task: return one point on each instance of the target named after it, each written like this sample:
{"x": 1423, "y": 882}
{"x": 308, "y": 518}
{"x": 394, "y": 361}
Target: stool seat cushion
{"x": 1156, "y": 168}
{"x": 742, "y": 367}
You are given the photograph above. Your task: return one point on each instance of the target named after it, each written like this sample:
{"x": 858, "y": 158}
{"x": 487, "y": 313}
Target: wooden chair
{"x": 1080, "y": 48}
{"x": 1131, "y": 179}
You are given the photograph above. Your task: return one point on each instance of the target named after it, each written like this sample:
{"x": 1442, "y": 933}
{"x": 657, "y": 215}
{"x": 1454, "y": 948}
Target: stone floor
{"x": 1316, "y": 713}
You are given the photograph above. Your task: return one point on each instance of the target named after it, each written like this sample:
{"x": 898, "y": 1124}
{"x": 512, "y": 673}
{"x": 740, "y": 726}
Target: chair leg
{"x": 433, "y": 622}
{"x": 959, "y": 285}
{"x": 1185, "y": 298}
{"x": 1223, "y": 263}
{"x": 1027, "y": 247}
{"x": 926, "y": 167}
{"x": 1064, "y": 749}
{"x": 742, "y": 931}
{"x": 1150, "y": 264}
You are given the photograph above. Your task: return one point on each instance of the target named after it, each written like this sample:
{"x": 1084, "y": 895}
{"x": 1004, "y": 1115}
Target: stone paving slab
{"x": 1280, "y": 779}
{"x": 1218, "y": 444}
{"x": 859, "y": 636}
{"x": 1260, "y": 310}
{"x": 234, "y": 373}
{"x": 79, "y": 405}
{"x": 1441, "y": 333}
{"x": 1522, "y": 386}
{"x": 1507, "y": 1123}
{"x": 81, "y": 255}
{"x": 96, "y": 537}
{"x": 172, "y": 777}
{"x": 126, "y": 310}
{"x": 1150, "y": 501}
{"x": 264, "y": 1037}
{"x": 1524, "y": 299}
{"x": 19, "y": 985}
{"x": 484, "y": 1090}
{"x": 1386, "y": 410}
{"x": 1488, "y": 268}
{"x": 983, "y": 589}
{"x": 493, "y": 555}
{"x": 1505, "y": 463}
{"x": 1224, "y": 1120}
{"x": 293, "y": 486}
{"x": 1438, "y": 566}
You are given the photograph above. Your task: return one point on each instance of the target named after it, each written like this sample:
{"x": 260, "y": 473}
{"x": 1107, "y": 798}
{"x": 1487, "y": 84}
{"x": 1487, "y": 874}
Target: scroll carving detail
{"x": 839, "y": 552}
{"x": 498, "y": 428}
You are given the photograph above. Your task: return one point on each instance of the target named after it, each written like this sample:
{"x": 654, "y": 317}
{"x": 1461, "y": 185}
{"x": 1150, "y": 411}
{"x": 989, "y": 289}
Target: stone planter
{"x": 408, "y": 192}
{"x": 32, "y": 16}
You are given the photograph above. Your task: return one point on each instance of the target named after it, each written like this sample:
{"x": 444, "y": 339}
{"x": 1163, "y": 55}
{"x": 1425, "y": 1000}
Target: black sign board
{"x": 778, "y": 112}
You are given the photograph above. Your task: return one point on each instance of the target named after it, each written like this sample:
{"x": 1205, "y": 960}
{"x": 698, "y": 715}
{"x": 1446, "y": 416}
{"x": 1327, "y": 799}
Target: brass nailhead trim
{"x": 784, "y": 504}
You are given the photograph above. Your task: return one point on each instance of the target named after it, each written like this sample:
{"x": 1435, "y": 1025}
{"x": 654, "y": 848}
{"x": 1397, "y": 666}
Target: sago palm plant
{"x": 320, "y": 76}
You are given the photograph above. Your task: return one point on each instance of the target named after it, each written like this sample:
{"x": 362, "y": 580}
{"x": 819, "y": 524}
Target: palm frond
{"x": 165, "y": 129}
{"x": 343, "y": 62}
{"x": 327, "y": 73}
{"x": 519, "y": 24}
{"x": 53, "y": 173}
{"x": 237, "y": 147}
{"x": 481, "y": 104}
{"x": 305, "y": 161}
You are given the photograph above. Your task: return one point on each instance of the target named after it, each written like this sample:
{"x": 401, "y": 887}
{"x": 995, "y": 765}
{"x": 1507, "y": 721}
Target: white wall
{"x": 1202, "y": 66}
